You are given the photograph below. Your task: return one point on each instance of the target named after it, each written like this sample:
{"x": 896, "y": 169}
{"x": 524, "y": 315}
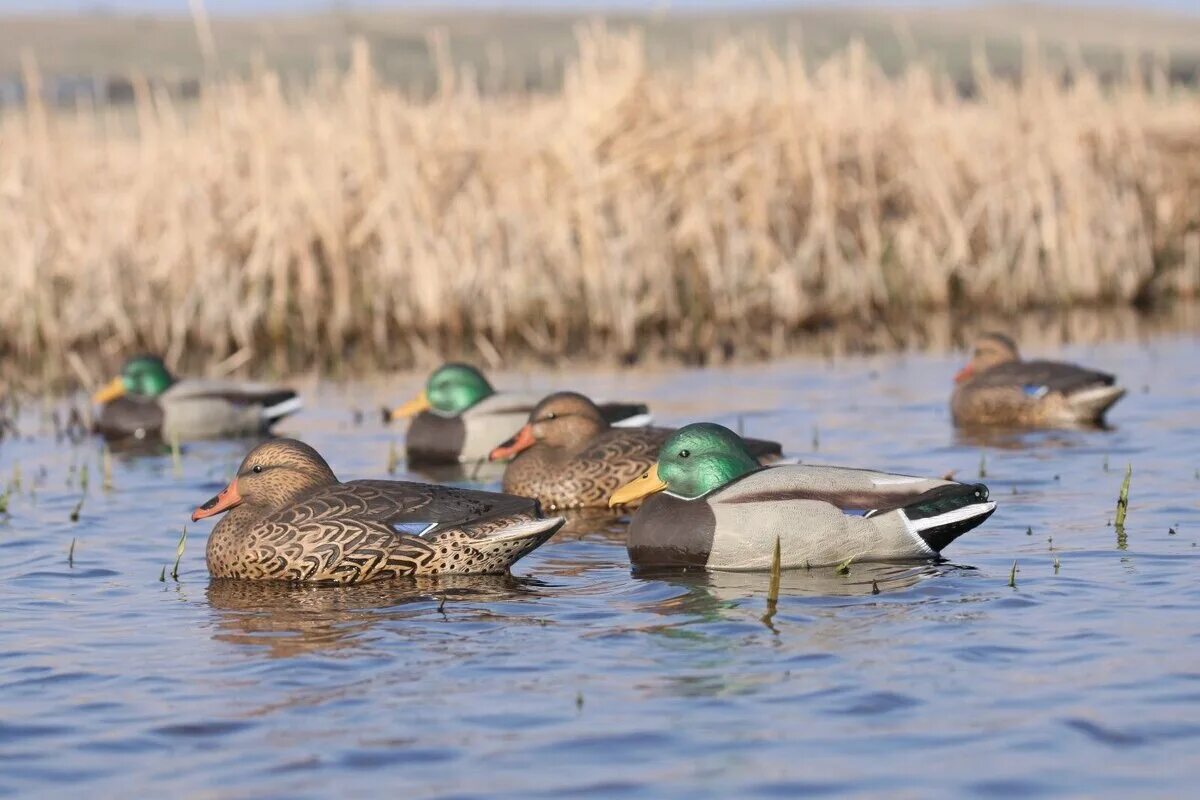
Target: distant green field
{"x": 527, "y": 50}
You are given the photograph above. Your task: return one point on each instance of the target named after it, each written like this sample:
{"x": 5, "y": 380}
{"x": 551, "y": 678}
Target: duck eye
{"x": 257, "y": 468}
{"x": 551, "y": 415}
{"x": 684, "y": 453}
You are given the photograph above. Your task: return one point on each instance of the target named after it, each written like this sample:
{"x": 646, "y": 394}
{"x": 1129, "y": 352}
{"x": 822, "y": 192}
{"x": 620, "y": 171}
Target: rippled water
{"x": 574, "y": 676}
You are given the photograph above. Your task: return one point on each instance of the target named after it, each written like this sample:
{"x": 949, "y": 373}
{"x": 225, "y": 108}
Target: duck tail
{"x": 278, "y": 405}
{"x": 503, "y": 541}
{"x": 1092, "y": 403}
{"x": 626, "y": 415}
{"x": 941, "y": 515}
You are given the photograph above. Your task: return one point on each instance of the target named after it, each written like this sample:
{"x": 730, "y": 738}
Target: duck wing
{"x": 846, "y": 488}
{"x": 1042, "y": 377}
{"x": 364, "y": 530}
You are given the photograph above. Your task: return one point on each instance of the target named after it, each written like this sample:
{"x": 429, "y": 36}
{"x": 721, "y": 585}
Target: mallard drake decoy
{"x": 460, "y": 417}
{"x": 289, "y": 518}
{"x": 711, "y": 504}
{"x": 147, "y": 402}
{"x": 998, "y": 388}
{"x": 568, "y": 456}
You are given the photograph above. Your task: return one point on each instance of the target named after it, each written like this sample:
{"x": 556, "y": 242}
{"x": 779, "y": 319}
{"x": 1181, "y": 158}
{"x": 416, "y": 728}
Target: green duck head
{"x": 142, "y": 376}
{"x": 696, "y": 460}
{"x": 450, "y": 390}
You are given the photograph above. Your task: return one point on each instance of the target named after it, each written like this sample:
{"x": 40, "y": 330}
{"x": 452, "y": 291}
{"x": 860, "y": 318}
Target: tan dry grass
{"x": 735, "y": 202}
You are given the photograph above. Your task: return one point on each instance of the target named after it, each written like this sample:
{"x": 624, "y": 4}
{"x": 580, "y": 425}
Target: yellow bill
{"x": 638, "y": 488}
{"x": 412, "y": 407}
{"x": 111, "y": 391}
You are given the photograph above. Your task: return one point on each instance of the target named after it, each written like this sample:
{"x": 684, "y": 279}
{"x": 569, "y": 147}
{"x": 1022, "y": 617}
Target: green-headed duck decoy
{"x": 709, "y": 503}
{"x": 146, "y": 402}
{"x": 459, "y": 417}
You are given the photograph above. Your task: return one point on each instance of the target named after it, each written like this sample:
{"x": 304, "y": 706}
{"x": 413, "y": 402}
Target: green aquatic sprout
{"x": 1012, "y": 576}
{"x": 71, "y": 554}
{"x": 393, "y": 458}
{"x": 162, "y": 576}
{"x": 1056, "y": 565}
{"x": 773, "y": 584}
{"x": 1123, "y": 499}
{"x": 78, "y": 508}
{"x": 4, "y": 501}
{"x": 844, "y": 567}
{"x": 179, "y": 555}
{"x": 84, "y": 477}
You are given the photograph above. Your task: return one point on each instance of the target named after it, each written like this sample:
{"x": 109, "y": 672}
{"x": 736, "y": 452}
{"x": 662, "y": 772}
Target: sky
{"x": 258, "y": 6}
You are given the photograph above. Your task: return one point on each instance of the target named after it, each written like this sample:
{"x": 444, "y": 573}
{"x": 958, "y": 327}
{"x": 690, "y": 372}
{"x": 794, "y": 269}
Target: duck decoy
{"x": 568, "y": 456}
{"x": 288, "y": 517}
{"x": 459, "y": 417}
{"x": 711, "y": 504}
{"x": 997, "y": 388}
{"x": 146, "y": 402}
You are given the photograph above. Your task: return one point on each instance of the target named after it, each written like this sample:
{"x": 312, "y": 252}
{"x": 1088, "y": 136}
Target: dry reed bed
{"x": 738, "y": 202}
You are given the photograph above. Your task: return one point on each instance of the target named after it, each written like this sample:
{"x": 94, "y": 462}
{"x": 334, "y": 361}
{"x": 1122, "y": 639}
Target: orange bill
{"x": 412, "y": 407}
{"x": 964, "y": 374}
{"x": 111, "y": 391}
{"x": 522, "y": 441}
{"x": 227, "y": 499}
{"x": 636, "y": 489}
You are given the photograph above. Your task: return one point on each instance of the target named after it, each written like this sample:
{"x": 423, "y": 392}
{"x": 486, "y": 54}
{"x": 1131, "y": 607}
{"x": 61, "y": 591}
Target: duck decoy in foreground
{"x": 288, "y": 517}
{"x": 568, "y": 456}
{"x": 460, "y": 417}
{"x": 711, "y": 504}
{"x": 147, "y": 402}
{"x": 998, "y": 388}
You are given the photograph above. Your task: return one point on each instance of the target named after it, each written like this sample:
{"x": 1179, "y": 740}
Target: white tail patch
{"x": 526, "y": 530}
{"x": 1094, "y": 401}
{"x": 636, "y": 421}
{"x": 289, "y": 406}
{"x": 950, "y": 517}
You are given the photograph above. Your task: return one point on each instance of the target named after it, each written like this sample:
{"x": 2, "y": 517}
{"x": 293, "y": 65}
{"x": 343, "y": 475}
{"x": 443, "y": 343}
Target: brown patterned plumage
{"x": 998, "y": 388}
{"x": 568, "y": 457}
{"x": 289, "y": 518}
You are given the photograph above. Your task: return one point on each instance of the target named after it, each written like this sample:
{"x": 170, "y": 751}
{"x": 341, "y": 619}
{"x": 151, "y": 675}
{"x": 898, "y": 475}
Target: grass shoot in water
{"x": 71, "y": 554}
{"x": 77, "y": 509}
{"x": 179, "y": 555}
{"x": 773, "y": 585}
{"x": 1123, "y": 499}
{"x": 1012, "y": 576}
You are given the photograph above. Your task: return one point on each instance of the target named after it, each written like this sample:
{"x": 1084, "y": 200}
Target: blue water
{"x": 576, "y": 677}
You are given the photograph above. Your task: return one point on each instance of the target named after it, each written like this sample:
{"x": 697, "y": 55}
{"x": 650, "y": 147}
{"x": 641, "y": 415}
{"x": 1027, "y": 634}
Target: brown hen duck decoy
{"x": 568, "y": 456}
{"x": 288, "y": 517}
{"x": 998, "y": 388}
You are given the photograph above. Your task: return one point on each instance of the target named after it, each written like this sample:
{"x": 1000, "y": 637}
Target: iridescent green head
{"x": 450, "y": 390}
{"x": 146, "y": 376}
{"x": 453, "y": 388}
{"x": 142, "y": 376}
{"x": 696, "y": 460}
{"x": 701, "y": 458}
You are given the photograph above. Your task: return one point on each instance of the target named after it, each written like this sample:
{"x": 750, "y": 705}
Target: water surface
{"x": 576, "y": 676}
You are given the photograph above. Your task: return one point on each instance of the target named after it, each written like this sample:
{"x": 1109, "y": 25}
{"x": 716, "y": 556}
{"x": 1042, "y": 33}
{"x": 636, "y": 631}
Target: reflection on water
{"x": 577, "y": 677}
{"x": 291, "y": 619}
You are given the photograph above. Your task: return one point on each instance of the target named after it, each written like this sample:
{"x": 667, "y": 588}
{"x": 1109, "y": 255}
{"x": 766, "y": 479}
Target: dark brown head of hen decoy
{"x": 288, "y": 517}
